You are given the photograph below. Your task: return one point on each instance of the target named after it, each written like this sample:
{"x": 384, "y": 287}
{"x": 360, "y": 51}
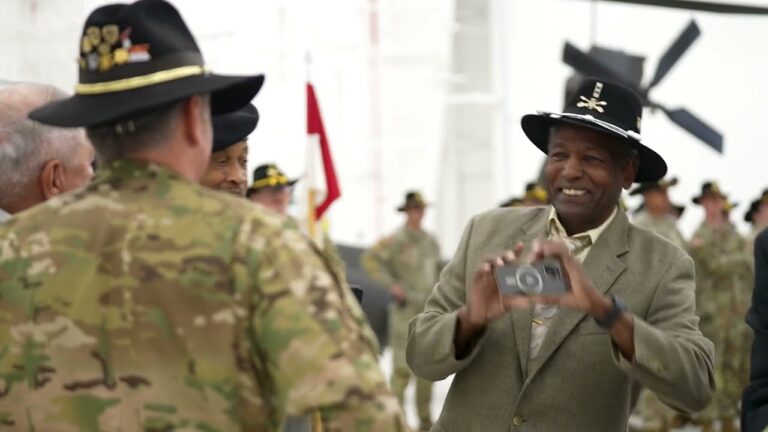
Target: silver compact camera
{"x": 545, "y": 277}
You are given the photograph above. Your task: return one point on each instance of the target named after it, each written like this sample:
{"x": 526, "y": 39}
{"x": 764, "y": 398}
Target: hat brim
{"x": 697, "y": 199}
{"x": 403, "y": 208}
{"x": 228, "y": 93}
{"x": 290, "y": 183}
{"x": 536, "y": 127}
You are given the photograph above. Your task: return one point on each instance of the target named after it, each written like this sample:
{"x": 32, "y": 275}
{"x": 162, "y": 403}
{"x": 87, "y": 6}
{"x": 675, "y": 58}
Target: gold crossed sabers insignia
{"x": 592, "y": 104}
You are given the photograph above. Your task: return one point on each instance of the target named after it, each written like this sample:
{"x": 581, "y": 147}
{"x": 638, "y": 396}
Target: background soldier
{"x": 723, "y": 276}
{"x": 272, "y": 189}
{"x": 535, "y": 195}
{"x": 657, "y": 212}
{"x": 146, "y": 301}
{"x": 408, "y": 262}
{"x": 757, "y": 216}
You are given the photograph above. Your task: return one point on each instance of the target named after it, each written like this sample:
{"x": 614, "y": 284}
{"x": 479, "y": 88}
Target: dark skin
{"x": 227, "y": 170}
{"x": 585, "y": 171}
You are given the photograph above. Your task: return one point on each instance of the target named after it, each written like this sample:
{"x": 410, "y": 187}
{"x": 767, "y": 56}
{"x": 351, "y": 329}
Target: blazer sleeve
{"x": 754, "y": 415}
{"x": 672, "y": 357}
{"x": 430, "y": 352}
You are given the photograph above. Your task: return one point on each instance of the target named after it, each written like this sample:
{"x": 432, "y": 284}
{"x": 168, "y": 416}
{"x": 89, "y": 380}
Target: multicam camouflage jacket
{"x": 146, "y": 302}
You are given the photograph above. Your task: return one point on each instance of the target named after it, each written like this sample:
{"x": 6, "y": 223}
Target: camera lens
{"x": 529, "y": 280}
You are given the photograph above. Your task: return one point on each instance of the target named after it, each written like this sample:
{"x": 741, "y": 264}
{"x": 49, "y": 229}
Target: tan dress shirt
{"x": 579, "y": 245}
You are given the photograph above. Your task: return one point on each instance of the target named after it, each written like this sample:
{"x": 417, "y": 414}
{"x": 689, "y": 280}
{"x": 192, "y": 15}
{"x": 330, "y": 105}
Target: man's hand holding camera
{"x": 487, "y": 303}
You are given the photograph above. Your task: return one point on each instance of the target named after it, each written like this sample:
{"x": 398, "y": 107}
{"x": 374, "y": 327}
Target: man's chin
{"x": 240, "y": 193}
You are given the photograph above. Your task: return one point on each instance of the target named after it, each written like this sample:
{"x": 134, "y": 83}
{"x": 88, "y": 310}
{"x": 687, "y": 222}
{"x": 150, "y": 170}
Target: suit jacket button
{"x": 518, "y": 420}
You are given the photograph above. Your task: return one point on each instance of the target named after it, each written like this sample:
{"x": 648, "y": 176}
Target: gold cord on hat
{"x": 139, "y": 81}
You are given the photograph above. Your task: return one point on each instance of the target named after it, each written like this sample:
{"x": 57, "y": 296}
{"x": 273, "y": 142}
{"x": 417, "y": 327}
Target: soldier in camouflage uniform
{"x": 723, "y": 292}
{"x": 408, "y": 263}
{"x": 147, "y": 302}
{"x": 272, "y": 189}
{"x": 657, "y": 214}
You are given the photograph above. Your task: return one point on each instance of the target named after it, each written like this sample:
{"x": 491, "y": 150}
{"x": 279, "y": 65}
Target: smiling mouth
{"x": 236, "y": 192}
{"x": 573, "y": 192}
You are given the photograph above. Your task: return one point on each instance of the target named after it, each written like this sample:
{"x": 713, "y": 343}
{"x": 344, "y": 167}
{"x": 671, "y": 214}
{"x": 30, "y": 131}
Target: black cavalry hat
{"x": 413, "y": 199}
{"x": 231, "y": 128}
{"x": 511, "y": 202}
{"x": 755, "y": 205}
{"x": 534, "y": 192}
{"x": 657, "y": 185}
{"x": 709, "y": 188}
{"x": 269, "y": 175}
{"x": 604, "y": 107}
{"x": 137, "y": 57}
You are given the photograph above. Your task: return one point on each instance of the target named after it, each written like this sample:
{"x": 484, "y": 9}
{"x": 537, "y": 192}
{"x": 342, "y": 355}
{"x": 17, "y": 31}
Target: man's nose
{"x": 237, "y": 175}
{"x": 572, "y": 168}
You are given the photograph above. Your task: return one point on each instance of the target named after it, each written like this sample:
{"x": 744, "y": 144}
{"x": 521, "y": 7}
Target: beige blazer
{"x": 578, "y": 382}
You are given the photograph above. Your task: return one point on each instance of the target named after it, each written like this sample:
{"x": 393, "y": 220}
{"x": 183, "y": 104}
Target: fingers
{"x": 549, "y": 249}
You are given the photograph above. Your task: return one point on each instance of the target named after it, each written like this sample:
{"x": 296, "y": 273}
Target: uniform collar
{"x": 125, "y": 169}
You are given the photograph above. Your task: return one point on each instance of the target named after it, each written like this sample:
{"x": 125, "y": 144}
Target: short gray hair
{"x": 26, "y": 145}
{"x": 148, "y": 129}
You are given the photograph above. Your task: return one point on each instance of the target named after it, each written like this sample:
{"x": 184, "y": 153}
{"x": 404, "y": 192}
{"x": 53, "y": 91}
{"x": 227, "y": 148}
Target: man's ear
{"x": 52, "y": 178}
{"x": 198, "y": 132}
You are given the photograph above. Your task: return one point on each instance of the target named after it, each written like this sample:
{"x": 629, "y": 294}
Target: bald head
{"x": 37, "y": 162}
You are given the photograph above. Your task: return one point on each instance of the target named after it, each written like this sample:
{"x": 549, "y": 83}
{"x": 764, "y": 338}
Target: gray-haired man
{"x": 37, "y": 162}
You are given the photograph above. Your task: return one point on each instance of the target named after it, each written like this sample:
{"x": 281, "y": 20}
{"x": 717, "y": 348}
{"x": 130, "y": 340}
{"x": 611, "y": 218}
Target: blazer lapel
{"x": 521, "y": 319}
{"x": 603, "y": 266}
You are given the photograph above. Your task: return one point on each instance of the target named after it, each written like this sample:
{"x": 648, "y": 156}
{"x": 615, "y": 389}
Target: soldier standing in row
{"x": 657, "y": 214}
{"x": 757, "y": 216}
{"x": 724, "y": 277}
{"x": 408, "y": 263}
{"x": 272, "y": 189}
{"x": 145, "y": 301}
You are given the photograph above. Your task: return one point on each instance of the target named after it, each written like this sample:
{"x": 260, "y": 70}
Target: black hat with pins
{"x": 270, "y": 176}
{"x": 755, "y": 205}
{"x": 709, "y": 188}
{"x": 413, "y": 199}
{"x": 138, "y": 57}
{"x": 604, "y": 107}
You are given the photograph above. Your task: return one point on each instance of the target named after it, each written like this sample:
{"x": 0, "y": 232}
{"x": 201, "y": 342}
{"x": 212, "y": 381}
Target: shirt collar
{"x": 593, "y": 234}
{"x": 4, "y": 215}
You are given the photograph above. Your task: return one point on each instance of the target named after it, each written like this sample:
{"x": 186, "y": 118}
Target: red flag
{"x": 315, "y": 126}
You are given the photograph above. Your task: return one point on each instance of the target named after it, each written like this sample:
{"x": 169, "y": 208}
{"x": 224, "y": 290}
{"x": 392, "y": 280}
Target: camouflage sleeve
{"x": 312, "y": 349}
{"x": 331, "y": 252}
{"x": 375, "y": 262}
{"x": 715, "y": 262}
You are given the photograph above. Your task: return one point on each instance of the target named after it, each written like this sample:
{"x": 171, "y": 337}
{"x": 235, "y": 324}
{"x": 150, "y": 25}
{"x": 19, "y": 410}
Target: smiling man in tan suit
{"x": 574, "y": 362}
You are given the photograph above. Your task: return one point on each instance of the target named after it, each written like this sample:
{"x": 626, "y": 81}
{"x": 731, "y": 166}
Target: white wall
{"x": 721, "y": 79}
